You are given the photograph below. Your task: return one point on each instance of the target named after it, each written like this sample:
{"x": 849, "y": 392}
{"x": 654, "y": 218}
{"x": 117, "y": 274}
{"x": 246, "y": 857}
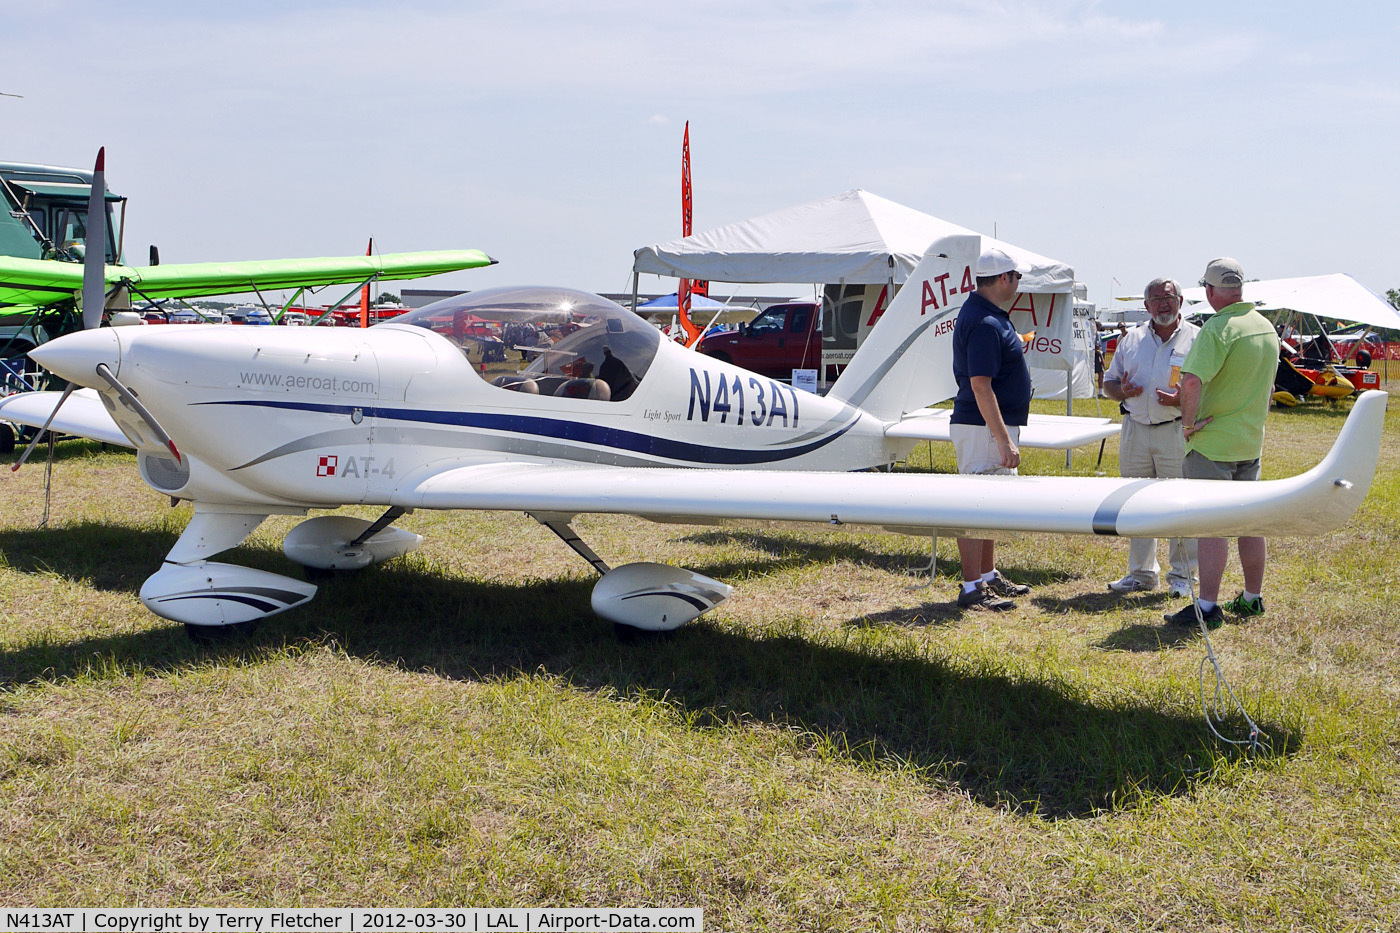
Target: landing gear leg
{"x": 559, "y": 524}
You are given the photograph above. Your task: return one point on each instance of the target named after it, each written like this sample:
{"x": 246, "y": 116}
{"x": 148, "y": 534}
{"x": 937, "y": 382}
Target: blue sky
{"x": 1127, "y": 139}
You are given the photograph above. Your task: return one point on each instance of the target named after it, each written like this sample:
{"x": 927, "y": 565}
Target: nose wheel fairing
{"x": 192, "y": 589}
{"x": 209, "y": 593}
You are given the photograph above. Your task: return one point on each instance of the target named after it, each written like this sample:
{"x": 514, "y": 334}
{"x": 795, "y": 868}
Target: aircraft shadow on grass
{"x": 1005, "y": 740}
{"x": 783, "y": 549}
{"x": 786, "y": 549}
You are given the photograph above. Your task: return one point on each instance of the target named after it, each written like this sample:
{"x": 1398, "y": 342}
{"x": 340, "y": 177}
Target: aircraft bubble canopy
{"x": 543, "y": 340}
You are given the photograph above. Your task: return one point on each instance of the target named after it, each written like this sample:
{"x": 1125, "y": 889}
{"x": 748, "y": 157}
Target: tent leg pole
{"x": 635, "y": 277}
{"x": 1069, "y": 407}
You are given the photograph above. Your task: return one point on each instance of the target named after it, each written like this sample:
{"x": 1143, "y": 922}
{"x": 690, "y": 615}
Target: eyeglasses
{"x": 1015, "y": 273}
{"x": 1162, "y": 300}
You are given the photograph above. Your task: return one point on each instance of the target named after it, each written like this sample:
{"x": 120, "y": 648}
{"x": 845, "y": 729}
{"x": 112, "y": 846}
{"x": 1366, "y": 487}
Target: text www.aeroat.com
{"x": 330, "y": 384}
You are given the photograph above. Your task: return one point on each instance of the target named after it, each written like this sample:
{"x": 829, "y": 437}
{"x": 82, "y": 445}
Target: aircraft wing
{"x": 1314, "y": 502}
{"x": 44, "y": 281}
{"x": 1048, "y": 432}
{"x": 38, "y": 281}
{"x": 82, "y": 415}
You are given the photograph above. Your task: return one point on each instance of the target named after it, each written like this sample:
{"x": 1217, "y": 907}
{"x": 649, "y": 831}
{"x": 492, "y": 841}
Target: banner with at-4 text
{"x": 1049, "y": 318}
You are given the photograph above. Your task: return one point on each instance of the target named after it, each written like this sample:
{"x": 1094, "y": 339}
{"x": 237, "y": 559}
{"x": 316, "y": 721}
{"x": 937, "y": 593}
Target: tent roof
{"x": 852, "y": 237}
{"x": 1337, "y": 297}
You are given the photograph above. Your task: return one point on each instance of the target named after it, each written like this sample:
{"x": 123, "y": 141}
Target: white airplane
{"x": 600, "y": 415}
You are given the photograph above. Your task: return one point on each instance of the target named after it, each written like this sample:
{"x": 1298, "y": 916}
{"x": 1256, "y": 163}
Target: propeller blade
{"x": 95, "y": 250}
{"x": 44, "y": 430}
{"x": 130, "y": 398}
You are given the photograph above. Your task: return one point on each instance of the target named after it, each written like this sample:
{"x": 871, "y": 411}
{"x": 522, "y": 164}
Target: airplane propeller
{"x": 130, "y": 398}
{"x": 95, "y": 253}
{"x": 94, "y": 301}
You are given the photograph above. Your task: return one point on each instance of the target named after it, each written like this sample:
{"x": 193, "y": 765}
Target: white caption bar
{"x": 348, "y": 920}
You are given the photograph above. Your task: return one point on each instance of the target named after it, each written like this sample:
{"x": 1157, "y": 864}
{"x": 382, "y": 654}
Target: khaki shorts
{"x": 977, "y": 449}
{"x": 1195, "y": 466}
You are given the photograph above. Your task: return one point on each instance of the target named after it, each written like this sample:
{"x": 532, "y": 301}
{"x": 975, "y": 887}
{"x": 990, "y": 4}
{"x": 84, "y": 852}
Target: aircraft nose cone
{"x": 75, "y": 356}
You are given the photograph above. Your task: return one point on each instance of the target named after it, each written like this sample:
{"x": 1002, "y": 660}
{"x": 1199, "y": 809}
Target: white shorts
{"x": 977, "y": 449}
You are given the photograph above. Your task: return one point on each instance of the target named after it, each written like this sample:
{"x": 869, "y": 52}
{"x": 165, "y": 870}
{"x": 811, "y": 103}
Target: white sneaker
{"x": 1180, "y": 589}
{"x": 1130, "y": 584}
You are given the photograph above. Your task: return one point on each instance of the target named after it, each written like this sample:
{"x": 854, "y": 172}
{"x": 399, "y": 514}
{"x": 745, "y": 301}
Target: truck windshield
{"x": 771, "y": 321}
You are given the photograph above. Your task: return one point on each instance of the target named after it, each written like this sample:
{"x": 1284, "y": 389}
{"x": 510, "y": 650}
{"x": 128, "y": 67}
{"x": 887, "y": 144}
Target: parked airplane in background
{"x": 50, "y": 284}
{"x": 586, "y": 410}
{"x": 34, "y": 276}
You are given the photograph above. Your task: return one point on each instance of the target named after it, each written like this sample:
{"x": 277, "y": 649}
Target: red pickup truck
{"x": 783, "y": 338}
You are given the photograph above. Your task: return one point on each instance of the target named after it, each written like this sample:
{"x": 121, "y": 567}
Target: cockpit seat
{"x": 585, "y": 388}
{"x": 517, "y": 383}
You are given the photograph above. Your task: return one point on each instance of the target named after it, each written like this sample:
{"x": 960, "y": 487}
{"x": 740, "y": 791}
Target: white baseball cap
{"x": 995, "y": 261}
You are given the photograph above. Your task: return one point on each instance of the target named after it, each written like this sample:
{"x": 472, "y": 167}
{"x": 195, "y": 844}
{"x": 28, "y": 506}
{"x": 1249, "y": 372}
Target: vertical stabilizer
{"x": 906, "y": 362}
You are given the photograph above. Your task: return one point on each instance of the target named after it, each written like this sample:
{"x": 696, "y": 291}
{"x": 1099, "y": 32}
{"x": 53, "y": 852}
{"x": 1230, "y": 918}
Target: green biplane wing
{"x": 45, "y": 281}
{"x": 38, "y": 281}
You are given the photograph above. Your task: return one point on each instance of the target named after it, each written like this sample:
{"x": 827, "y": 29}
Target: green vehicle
{"x": 45, "y": 217}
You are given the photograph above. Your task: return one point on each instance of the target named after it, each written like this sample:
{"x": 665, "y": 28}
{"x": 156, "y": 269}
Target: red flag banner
{"x": 683, "y": 292}
{"x": 685, "y": 182}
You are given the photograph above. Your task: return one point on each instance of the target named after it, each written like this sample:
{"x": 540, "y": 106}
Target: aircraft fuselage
{"x": 331, "y": 416}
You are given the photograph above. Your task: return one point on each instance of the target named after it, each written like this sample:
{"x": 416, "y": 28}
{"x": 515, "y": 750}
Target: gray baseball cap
{"x": 1223, "y": 273}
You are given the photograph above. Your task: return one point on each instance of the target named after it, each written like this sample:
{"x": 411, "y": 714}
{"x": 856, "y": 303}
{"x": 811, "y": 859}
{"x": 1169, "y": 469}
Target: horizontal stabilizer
{"x": 1044, "y": 432}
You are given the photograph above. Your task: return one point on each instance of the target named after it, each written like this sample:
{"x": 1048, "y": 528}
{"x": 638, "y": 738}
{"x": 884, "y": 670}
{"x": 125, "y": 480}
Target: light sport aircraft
{"x": 600, "y": 415}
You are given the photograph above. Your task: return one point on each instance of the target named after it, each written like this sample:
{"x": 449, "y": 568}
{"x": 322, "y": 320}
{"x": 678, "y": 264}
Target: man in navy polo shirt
{"x": 993, "y": 402}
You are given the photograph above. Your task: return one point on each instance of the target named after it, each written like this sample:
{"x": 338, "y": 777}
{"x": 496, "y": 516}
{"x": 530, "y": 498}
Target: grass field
{"x": 835, "y": 748}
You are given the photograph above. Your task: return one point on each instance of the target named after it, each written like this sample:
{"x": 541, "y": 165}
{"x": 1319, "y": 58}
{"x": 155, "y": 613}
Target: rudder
{"x": 906, "y": 362}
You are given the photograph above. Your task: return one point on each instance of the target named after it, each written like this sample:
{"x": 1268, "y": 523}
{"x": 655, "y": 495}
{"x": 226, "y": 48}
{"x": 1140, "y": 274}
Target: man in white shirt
{"x": 1143, "y": 378}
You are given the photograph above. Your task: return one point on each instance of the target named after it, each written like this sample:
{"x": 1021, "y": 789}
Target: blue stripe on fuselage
{"x": 578, "y": 432}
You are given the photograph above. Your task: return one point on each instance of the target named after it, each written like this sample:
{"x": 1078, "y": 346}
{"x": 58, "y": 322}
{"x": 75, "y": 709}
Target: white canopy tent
{"x": 854, "y": 237}
{"x": 861, "y": 238}
{"x": 1335, "y": 297}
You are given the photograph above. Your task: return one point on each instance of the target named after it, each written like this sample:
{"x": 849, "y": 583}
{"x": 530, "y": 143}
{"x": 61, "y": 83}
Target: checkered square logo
{"x": 326, "y": 467}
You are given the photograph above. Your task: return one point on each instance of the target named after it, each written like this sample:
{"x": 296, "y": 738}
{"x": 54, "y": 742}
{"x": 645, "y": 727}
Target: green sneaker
{"x": 1245, "y": 608}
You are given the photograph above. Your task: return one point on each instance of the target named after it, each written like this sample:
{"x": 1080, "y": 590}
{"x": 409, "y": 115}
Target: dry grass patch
{"x": 835, "y": 748}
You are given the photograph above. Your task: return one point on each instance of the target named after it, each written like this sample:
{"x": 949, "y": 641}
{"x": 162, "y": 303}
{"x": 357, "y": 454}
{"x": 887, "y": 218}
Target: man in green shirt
{"x": 1226, "y": 382}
